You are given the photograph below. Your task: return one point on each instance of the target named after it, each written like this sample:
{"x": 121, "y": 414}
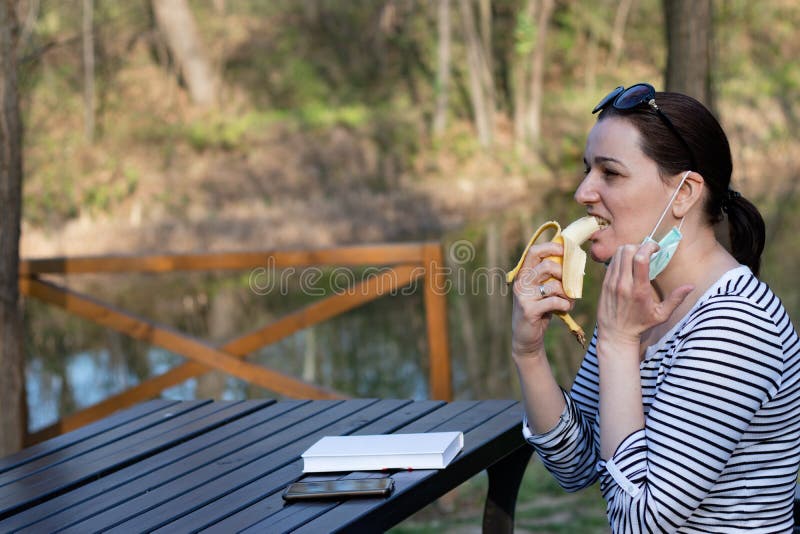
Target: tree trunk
{"x": 618, "y": 31}
{"x": 534, "y": 115}
{"x": 443, "y": 68}
{"x": 689, "y": 48}
{"x": 481, "y": 88}
{"x": 28, "y": 24}
{"x": 485, "y": 13}
{"x": 12, "y": 385}
{"x": 88, "y": 71}
{"x": 176, "y": 22}
{"x": 521, "y": 70}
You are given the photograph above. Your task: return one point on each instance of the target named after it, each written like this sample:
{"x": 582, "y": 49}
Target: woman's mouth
{"x": 603, "y": 225}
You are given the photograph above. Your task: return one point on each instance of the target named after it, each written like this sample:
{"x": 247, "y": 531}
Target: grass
{"x": 542, "y": 508}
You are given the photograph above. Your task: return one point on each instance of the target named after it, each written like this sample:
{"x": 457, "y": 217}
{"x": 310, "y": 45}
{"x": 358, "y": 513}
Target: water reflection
{"x": 88, "y": 378}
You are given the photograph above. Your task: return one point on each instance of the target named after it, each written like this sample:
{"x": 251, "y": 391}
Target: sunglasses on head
{"x": 637, "y": 95}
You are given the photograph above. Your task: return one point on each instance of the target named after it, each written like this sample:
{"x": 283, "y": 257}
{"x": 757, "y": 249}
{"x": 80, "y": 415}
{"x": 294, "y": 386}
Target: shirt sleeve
{"x": 565, "y": 449}
{"x": 569, "y": 450}
{"x": 727, "y": 363}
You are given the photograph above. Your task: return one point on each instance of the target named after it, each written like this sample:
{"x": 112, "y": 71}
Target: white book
{"x": 432, "y": 450}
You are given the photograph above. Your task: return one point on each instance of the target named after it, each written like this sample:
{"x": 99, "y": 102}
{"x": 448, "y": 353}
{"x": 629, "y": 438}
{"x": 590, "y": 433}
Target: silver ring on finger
{"x": 542, "y": 291}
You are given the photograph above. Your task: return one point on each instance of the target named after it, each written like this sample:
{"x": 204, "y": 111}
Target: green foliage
{"x": 461, "y": 143}
{"x": 524, "y": 35}
{"x": 103, "y": 197}
{"x": 323, "y": 53}
{"x": 225, "y": 132}
{"x": 317, "y": 115}
{"x": 51, "y": 206}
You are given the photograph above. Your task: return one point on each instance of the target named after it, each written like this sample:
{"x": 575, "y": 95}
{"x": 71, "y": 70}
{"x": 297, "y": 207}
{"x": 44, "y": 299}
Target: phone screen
{"x": 342, "y": 488}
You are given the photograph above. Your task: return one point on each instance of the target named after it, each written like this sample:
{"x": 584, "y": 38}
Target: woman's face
{"x": 621, "y": 186}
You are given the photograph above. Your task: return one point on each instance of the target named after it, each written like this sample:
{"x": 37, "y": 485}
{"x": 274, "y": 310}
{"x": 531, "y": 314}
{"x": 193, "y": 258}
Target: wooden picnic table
{"x": 186, "y": 466}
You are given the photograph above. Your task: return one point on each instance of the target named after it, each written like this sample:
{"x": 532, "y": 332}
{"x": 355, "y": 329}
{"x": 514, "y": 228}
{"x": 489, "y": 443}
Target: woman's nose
{"x": 586, "y": 193}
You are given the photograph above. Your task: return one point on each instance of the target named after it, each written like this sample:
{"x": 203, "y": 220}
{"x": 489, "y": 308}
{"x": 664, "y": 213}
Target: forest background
{"x": 214, "y": 125}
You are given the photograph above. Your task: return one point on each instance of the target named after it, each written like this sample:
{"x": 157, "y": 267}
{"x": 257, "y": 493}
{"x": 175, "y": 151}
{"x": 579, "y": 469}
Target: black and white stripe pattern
{"x": 721, "y": 445}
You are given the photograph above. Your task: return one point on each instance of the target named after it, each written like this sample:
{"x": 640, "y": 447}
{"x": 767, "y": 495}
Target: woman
{"x": 687, "y": 403}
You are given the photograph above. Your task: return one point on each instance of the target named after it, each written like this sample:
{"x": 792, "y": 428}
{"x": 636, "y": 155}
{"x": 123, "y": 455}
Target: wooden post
{"x": 436, "y": 285}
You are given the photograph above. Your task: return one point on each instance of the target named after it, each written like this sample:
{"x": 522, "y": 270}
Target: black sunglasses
{"x": 636, "y": 95}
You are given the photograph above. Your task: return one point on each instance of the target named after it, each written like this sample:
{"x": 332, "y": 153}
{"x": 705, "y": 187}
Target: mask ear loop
{"x": 671, "y": 200}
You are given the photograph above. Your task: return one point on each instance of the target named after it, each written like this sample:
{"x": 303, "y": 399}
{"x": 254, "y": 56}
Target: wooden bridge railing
{"x": 400, "y": 265}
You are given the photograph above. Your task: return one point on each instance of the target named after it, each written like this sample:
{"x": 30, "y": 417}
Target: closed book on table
{"x": 431, "y": 450}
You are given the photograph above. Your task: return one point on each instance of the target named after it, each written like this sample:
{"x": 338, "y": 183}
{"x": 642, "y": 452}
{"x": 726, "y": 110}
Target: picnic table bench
{"x": 187, "y": 466}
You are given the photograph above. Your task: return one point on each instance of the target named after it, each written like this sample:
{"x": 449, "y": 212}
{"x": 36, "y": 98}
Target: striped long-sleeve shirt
{"x": 720, "y": 449}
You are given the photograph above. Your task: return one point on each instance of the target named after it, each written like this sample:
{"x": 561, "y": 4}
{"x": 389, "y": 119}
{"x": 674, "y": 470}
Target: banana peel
{"x": 573, "y": 262}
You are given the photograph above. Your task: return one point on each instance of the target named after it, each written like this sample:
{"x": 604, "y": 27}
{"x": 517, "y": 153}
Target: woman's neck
{"x": 700, "y": 260}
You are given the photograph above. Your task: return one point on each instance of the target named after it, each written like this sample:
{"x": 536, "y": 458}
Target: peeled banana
{"x": 573, "y": 262}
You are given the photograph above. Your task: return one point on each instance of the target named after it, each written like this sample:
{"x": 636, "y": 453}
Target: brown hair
{"x": 712, "y": 154}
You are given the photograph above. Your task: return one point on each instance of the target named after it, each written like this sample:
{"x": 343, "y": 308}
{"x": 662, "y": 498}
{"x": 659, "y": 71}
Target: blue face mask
{"x": 669, "y": 243}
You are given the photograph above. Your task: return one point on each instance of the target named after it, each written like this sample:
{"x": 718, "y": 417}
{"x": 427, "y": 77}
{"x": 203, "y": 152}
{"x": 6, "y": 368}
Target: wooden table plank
{"x": 65, "y": 440}
{"x": 476, "y": 414}
{"x": 291, "y": 517}
{"x": 89, "y": 499}
{"x": 72, "y": 466}
{"x": 481, "y": 445}
{"x": 266, "y": 451}
{"x": 76, "y": 449}
{"x": 241, "y": 507}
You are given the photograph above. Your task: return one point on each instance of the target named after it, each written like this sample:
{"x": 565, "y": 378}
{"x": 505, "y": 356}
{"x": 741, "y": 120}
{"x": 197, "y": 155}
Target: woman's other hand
{"x": 629, "y": 304}
{"x": 537, "y": 293}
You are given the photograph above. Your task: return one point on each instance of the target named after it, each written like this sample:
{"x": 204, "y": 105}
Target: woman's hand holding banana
{"x": 536, "y": 296}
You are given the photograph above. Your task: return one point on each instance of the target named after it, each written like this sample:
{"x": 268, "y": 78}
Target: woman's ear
{"x": 690, "y": 193}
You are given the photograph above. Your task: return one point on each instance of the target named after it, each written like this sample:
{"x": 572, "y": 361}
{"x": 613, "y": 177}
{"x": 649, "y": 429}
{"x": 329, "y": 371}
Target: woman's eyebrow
{"x": 599, "y": 160}
{"x": 606, "y": 159}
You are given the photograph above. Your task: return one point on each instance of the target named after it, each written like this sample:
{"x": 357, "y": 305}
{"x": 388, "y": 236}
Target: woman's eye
{"x": 610, "y": 172}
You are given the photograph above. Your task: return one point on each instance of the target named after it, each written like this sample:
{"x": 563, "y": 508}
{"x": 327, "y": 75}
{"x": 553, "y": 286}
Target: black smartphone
{"x": 339, "y": 489}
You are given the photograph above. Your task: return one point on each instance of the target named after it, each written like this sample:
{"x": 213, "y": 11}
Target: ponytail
{"x": 747, "y": 230}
